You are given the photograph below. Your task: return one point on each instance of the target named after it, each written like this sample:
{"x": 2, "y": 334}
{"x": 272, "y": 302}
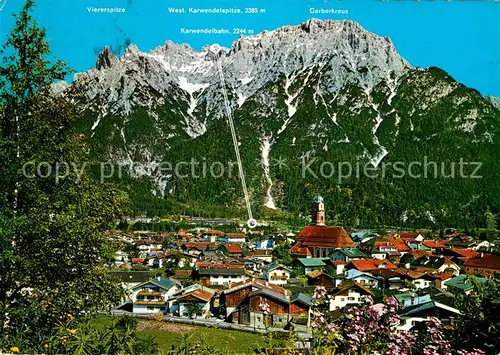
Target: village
{"x": 225, "y": 277}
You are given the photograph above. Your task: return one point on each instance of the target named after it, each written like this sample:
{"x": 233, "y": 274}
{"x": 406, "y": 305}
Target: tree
{"x": 51, "y": 225}
{"x": 281, "y": 253}
{"x": 479, "y": 324}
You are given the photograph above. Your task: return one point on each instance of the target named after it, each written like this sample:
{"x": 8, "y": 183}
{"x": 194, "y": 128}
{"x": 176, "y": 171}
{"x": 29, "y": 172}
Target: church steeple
{"x": 318, "y": 211}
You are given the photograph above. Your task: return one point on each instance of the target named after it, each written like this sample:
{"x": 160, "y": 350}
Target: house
{"x": 236, "y": 238}
{"x": 460, "y": 255}
{"x": 418, "y": 279}
{"x": 339, "y": 266}
{"x": 441, "y": 279}
{"x": 262, "y": 254}
{"x": 433, "y": 246}
{"x": 267, "y": 243}
{"x": 322, "y": 240}
{"x": 130, "y": 279}
{"x": 348, "y": 293}
{"x": 320, "y": 278}
{"x": 347, "y": 255}
{"x": 231, "y": 250}
{"x": 281, "y": 309}
{"x": 221, "y": 274}
{"x": 196, "y": 303}
{"x": 369, "y": 264}
{"x": 464, "y": 284}
{"x": 486, "y": 265}
{"x": 409, "y": 236}
{"x": 384, "y": 247}
{"x": 390, "y": 279}
{"x": 277, "y": 274}
{"x": 408, "y": 259}
{"x": 151, "y": 296}
{"x": 299, "y": 251}
{"x": 435, "y": 264}
{"x": 306, "y": 265}
{"x": 422, "y": 312}
{"x": 232, "y": 297}
{"x": 212, "y": 235}
{"x": 195, "y": 248}
{"x": 363, "y": 278}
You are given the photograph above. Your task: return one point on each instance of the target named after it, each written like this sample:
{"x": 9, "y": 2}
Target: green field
{"x": 170, "y": 334}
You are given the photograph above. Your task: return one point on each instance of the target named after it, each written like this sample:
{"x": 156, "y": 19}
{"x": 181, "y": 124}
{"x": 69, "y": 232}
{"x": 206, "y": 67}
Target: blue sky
{"x": 462, "y": 37}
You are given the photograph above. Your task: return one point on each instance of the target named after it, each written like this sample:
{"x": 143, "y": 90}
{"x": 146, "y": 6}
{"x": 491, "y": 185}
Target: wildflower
{"x": 69, "y": 316}
{"x": 72, "y": 331}
{"x": 14, "y": 349}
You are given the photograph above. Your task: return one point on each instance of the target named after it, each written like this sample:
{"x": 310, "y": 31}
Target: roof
{"x": 214, "y": 232}
{"x": 137, "y": 260}
{"x": 261, "y": 252}
{"x": 433, "y": 244}
{"x": 370, "y": 264}
{"x": 221, "y": 271}
{"x": 199, "y": 294}
{"x": 235, "y": 235}
{"x": 467, "y": 253}
{"x": 352, "y": 253}
{"x": 311, "y": 262}
{"x": 338, "y": 262}
{"x": 300, "y": 297}
{"x": 442, "y": 276}
{"x": 272, "y": 267}
{"x": 487, "y": 261}
{"x": 159, "y": 281}
{"x": 183, "y": 273}
{"x": 233, "y": 248}
{"x": 298, "y": 249}
{"x": 464, "y": 282}
{"x": 430, "y": 305}
{"x": 324, "y": 236}
{"x": 350, "y": 284}
{"x": 270, "y": 293}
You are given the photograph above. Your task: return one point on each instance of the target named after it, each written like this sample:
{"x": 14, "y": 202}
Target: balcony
{"x": 150, "y": 302}
{"x": 149, "y": 293}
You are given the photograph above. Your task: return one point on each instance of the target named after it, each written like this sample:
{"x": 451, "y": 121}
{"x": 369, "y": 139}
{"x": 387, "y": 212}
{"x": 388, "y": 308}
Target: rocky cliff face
{"x": 328, "y": 89}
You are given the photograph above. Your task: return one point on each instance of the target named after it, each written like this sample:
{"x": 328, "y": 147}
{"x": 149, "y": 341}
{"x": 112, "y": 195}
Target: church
{"x": 319, "y": 240}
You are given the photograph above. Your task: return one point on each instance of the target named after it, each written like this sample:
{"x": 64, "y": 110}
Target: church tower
{"x": 318, "y": 211}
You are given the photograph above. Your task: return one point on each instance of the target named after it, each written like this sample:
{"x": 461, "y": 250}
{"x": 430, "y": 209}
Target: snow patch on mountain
{"x": 265, "y": 148}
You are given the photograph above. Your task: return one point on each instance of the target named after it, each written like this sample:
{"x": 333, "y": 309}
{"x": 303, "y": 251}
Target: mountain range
{"x": 325, "y": 92}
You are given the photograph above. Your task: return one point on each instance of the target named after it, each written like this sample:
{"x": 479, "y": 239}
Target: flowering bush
{"x": 370, "y": 328}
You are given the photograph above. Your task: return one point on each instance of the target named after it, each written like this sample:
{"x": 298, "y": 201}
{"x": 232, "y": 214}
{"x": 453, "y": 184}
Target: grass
{"x": 170, "y": 334}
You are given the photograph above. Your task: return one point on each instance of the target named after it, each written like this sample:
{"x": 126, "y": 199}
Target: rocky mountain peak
{"x": 106, "y": 59}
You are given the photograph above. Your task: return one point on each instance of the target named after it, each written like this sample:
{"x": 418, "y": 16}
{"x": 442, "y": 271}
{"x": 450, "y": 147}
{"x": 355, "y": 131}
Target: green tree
{"x": 281, "y": 253}
{"x": 51, "y": 228}
{"x": 479, "y": 324}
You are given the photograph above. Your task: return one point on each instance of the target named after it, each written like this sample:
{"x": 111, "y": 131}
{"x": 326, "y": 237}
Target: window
{"x": 350, "y": 298}
{"x": 342, "y": 299}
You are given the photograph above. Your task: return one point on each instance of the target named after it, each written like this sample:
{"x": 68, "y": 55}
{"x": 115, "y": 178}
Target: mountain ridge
{"x": 327, "y": 88}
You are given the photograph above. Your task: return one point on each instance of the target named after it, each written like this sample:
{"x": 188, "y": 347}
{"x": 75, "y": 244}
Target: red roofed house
{"x": 298, "y": 251}
{"x": 486, "y": 265}
{"x": 320, "y": 239}
{"x": 369, "y": 264}
{"x": 231, "y": 250}
{"x": 195, "y": 303}
{"x": 434, "y": 245}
